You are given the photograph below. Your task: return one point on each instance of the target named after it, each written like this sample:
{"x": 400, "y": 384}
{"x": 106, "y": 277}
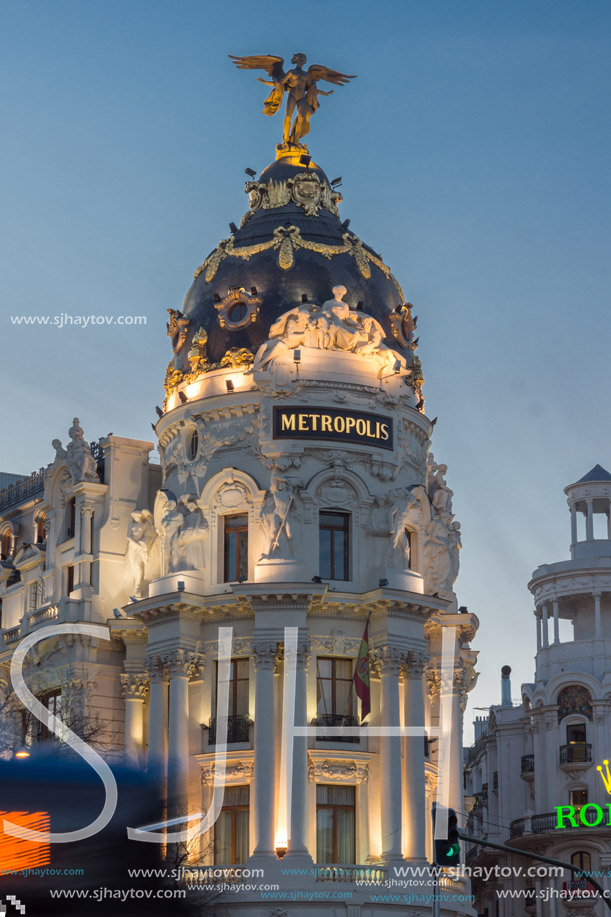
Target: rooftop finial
{"x": 301, "y": 88}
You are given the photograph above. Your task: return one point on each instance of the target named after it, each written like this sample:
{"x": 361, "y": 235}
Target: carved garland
{"x": 286, "y": 240}
{"x": 331, "y": 769}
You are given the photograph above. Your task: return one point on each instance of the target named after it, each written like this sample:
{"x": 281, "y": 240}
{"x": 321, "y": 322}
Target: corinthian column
{"x": 158, "y": 716}
{"x": 389, "y": 661}
{"x": 181, "y": 665}
{"x": 459, "y": 701}
{"x": 264, "y": 656}
{"x": 134, "y": 686}
{"x": 297, "y": 841}
{"x": 415, "y": 811}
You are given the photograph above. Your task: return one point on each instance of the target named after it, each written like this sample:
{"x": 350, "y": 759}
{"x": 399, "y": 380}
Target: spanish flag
{"x": 361, "y": 674}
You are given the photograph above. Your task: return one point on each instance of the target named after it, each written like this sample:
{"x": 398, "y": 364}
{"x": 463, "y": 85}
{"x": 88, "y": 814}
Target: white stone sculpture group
{"x": 442, "y": 536}
{"x": 332, "y": 326}
{"x": 77, "y": 455}
{"x": 170, "y": 540}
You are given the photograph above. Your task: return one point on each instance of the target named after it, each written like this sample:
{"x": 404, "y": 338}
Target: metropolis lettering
{"x": 333, "y": 424}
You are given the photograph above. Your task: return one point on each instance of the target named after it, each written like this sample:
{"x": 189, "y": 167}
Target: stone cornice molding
{"x": 552, "y": 585}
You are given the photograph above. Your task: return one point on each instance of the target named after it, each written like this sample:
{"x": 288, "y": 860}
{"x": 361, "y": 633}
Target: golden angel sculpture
{"x": 301, "y": 88}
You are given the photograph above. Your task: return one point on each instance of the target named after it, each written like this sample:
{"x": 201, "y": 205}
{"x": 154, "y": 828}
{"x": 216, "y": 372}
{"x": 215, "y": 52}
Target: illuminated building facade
{"x": 296, "y": 490}
{"x": 529, "y": 760}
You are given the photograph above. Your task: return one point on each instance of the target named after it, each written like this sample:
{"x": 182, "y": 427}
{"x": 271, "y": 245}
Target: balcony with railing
{"x": 536, "y": 824}
{"x": 43, "y": 615}
{"x": 527, "y": 767}
{"x": 238, "y": 729}
{"x": 21, "y": 491}
{"x": 358, "y": 873}
{"x": 326, "y": 720}
{"x": 12, "y": 635}
{"x": 576, "y": 753}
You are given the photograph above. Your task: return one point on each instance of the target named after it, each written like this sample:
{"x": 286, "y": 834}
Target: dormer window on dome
{"x": 239, "y": 309}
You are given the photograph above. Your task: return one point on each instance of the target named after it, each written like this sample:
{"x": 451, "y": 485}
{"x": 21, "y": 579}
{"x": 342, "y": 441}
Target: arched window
{"x": 5, "y": 544}
{"x": 40, "y": 528}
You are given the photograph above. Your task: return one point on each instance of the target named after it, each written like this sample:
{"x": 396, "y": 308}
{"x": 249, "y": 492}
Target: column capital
{"x": 87, "y": 509}
{"x": 389, "y": 660}
{"x": 134, "y": 685}
{"x": 264, "y": 654}
{"x": 414, "y": 664}
{"x": 156, "y": 668}
{"x": 181, "y": 663}
{"x": 302, "y": 654}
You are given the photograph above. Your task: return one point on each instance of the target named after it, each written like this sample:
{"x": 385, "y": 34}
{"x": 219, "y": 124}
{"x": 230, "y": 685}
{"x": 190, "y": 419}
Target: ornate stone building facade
{"x": 296, "y": 490}
{"x": 544, "y": 753}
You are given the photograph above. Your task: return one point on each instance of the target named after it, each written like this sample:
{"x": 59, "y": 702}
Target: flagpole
{"x": 354, "y": 673}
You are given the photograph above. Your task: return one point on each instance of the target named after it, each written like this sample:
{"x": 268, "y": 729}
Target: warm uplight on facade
{"x": 282, "y": 845}
{"x": 22, "y": 752}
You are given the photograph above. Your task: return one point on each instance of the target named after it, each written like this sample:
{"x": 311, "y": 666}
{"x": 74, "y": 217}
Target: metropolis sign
{"x": 307, "y": 422}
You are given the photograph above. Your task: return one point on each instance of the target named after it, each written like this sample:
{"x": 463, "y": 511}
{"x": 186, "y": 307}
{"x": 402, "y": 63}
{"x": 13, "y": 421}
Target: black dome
{"x": 292, "y": 250}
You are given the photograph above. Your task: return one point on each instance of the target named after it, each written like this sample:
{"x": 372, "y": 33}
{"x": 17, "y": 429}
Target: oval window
{"x": 238, "y": 312}
{"x": 193, "y": 445}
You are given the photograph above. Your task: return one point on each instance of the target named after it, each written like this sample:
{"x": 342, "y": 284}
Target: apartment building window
{"x": 52, "y": 700}
{"x": 5, "y": 545}
{"x": 231, "y": 830}
{"x": 582, "y": 859}
{"x": 40, "y": 528}
{"x": 235, "y": 548}
{"x": 335, "y": 696}
{"x": 37, "y": 595}
{"x": 576, "y": 734}
{"x": 238, "y": 721}
{"x": 69, "y": 579}
{"x": 335, "y": 824}
{"x": 578, "y": 798}
{"x": 334, "y": 545}
{"x": 70, "y": 518}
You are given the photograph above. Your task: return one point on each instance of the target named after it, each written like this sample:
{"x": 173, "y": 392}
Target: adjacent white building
{"x": 528, "y": 760}
{"x": 296, "y": 490}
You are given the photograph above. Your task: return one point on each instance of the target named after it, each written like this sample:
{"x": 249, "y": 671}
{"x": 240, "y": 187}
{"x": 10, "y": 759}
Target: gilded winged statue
{"x": 299, "y": 84}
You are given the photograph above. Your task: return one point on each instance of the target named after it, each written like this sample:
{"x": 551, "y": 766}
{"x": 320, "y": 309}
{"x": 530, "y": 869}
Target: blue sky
{"x": 474, "y": 148}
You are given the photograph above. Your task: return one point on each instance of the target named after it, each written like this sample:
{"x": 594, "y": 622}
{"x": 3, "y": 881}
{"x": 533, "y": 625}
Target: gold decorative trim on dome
{"x": 234, "y": 358}
{"x": 286, "y": 240}
{"x": 306, "y": 189}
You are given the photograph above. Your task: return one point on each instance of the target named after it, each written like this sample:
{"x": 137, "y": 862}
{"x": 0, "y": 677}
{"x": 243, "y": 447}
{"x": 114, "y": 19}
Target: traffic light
{"x": 447, "y": 849}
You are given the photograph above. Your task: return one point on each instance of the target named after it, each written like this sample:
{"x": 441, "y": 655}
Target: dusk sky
{"x": 475, "y": 153}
